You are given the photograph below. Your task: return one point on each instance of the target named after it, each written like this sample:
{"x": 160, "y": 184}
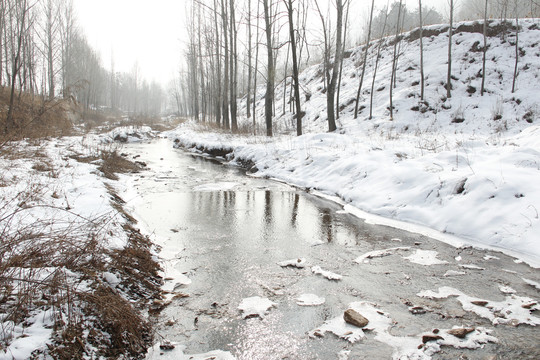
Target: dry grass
{"x": 34, "y": 117}
{"x": 113, "y": 164}
{"x": 52, "y": 266}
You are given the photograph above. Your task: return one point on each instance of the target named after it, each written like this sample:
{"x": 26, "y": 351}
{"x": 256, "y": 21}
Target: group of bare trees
{"x": 274, "y": 47}
{"x": 44, "y": 53}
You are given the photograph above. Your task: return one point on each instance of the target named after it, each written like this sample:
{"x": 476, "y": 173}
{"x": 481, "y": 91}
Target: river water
{"x": 222, "y": 234}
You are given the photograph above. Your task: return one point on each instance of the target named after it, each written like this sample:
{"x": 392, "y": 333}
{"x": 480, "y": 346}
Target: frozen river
{"x": 222, "y": 235}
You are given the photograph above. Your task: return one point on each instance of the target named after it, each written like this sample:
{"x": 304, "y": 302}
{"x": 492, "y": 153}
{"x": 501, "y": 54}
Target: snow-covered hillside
{"x": 468, "y": 165}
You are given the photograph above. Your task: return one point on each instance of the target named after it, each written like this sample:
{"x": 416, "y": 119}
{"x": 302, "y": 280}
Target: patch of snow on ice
{"x": 509, "y": 311}
{"x": 506, "y": 289}
{"x": 453, "y": 273}
{"x": 472, "y": 267}
{"x": 299, "y": 263}
{"x": 327, "y": 274}
{"x": 155, "y": 353}
{"x": 532, "y": 283}
{"x": 379, "y": 253}
{"x": 491, "y": 257}
{"x": 425, "y": 257}
{"x": 255, "y": 306}
{"x": 310, "y": 300}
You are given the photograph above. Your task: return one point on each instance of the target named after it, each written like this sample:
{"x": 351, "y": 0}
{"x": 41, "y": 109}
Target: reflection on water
{"x": 265, "y": 214}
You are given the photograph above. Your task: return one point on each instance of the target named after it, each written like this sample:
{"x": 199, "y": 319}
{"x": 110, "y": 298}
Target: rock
{"x": 353, "y": 317}
{"x": 417, "y": 310}
{"x": 460, "y": 332}
{"x": 429, "y": 337}
{"x": 479, "y": 302}
{"x": 528, "y": 306}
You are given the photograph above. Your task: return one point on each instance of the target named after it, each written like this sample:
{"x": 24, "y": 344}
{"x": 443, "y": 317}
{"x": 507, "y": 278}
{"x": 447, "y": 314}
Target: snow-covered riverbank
{"x": 76, "y": 276}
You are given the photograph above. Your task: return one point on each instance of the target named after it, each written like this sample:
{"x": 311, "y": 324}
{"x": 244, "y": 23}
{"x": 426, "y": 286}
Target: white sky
{"x": 147, "y": 32}
{"x": 152, "y": 32}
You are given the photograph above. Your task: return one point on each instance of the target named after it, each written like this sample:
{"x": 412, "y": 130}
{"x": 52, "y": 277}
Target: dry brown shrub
{"x": 34, "y": 117}
{"x": 113, "y": 164}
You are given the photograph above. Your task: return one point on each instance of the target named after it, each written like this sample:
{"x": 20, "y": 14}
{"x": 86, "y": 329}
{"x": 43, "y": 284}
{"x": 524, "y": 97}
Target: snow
{"x": 532, "y": 283}
{"x": 509, "y": 311}
{"x": 473, "y": 182}
{"x": 27, "y": 339}
{"x": 327, "y": 274}
{"x": 453, "y": 273}
{"x": 155, "y": 353}
{"x": 425, "y": 257}
{"x": 405, "y": 347}
{"x": 255, "y": 306}
{"x": 310, "y": 300}
{"x": 379, "y": 253}
{"x": 128, "y": 134}
{"x": 298, "y": 263}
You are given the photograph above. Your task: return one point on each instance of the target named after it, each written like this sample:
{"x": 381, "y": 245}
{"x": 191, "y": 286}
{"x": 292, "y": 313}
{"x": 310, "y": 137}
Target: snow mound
{"x": 127, "y": 134}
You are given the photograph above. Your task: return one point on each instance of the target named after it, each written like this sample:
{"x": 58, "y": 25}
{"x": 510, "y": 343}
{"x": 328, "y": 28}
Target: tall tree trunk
{"x": 341, "y": 61}
{"x": 381, "y": 41}
{"x": 484, "y": 50}
{"x": 332, "y": 81}
{"x": 397, "y": 38}
{"x": 364, "y": 61}
{"x": 256, "y": 71}
{"x": 218, "y": 100}
{"x": 517, "y": 49}
{"x": 269, "y": 97}
{"x": 226, "y": 65}
{"x": 421, "y": 51}
{"x": 449, "y": 72}
{"x": 292, "y": 38}
{"x": 233, "y": 66}
{"x": 21, "y": 15}
{"x": 248, "y": 96}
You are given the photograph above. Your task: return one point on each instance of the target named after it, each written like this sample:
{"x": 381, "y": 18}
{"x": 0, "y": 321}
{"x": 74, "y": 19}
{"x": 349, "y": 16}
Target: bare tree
{"x": 342, "y": 58}
{"x": 397, "y": 38}
{"x": 20, "y": 13}
{"x": 421, "y": 50}
{"x": 450, "y": 32}
{"x": 517, "y": 48}
{"x": 379, "y": 47}
{"x": 484, "y": 50}
{"x": 269, "y": 97}
{"x": 299, "y": 114}
{"x": 364, "y": 61}
{"x": 331, "y": 68}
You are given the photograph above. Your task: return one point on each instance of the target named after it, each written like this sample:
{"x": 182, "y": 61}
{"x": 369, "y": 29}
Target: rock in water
{"x": 353, "y": 317}
{"x": 460, "y": 332}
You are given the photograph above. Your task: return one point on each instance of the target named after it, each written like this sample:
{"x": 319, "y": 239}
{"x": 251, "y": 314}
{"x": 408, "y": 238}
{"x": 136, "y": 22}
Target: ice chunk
{"x": 299, "y": 263}
{"x": 310, "y": 300}
{"x": 177, "y": 353}
{"x": 327, "y": 274}
{"x": 379, "y": 253}
{"x": 454, "y": 273}
{"x": 425, "y": 257}
{"x": 255, "y": 306}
